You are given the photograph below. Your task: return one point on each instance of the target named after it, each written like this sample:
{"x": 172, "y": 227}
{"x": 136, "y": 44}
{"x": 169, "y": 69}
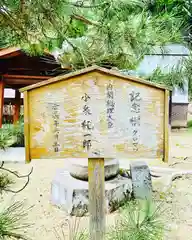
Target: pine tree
{"x": 104, "y": 32}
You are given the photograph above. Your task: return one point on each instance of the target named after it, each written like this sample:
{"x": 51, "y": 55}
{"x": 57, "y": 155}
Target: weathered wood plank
{"x": 166, "y": 127}
{"x": 96, "y": 198}
{"x": 57, "y": 113}
{"x": 26, "y": 128}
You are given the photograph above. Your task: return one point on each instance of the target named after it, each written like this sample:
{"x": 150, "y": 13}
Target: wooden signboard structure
{"x": 96, "y": 113}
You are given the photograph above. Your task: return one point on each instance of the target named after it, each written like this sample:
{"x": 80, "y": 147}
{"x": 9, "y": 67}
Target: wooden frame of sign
{"x": 96, "y": 113}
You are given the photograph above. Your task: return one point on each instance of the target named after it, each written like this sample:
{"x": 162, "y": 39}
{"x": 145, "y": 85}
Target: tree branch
{"x": 18, "y": 176}
{"x": 80, "y": 5}
{"x": 22, "y": 5}
{"x": 15, "y": 173}
{"x": 49, "y": 18}
{"x": 13, "y": 23}
{"x": 83, "y": 19}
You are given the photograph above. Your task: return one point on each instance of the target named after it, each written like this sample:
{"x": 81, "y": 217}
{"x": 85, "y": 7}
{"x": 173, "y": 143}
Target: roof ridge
{"x": 90, "y": 69}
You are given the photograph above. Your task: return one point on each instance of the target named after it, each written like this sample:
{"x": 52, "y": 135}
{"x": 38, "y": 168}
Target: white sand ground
{"x": 46, "y": 217}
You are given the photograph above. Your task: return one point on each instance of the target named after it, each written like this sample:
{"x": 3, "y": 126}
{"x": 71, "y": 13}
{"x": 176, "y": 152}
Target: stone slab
{"x": 72, "y": 195}
{"x": 141, "y": 180}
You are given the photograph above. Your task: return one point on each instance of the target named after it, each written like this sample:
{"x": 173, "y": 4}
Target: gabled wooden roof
{"x": 9, "y": 52}
{"x": 91, "y": 69}
{"x": 12, "y": 52}
{"x": 18, "y": 68}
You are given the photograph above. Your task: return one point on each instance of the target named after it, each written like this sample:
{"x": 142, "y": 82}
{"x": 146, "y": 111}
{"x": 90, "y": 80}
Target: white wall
{"x": 10, "y": 93}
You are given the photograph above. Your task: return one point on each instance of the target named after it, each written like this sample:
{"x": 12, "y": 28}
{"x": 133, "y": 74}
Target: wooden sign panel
{"x": 95, "y": 115}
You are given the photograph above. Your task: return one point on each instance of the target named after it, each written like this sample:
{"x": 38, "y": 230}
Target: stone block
{"x": 141, "y": 180}
{"x": 78, "y": 168}
{"x": 72, "y": 195}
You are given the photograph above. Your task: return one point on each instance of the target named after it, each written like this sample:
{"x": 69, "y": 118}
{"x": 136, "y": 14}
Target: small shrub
{"x": 5, "y": 182}
{"x": 5, "y": 138}
{"x": 18, "y": 132}
{"x": 12, "y": 135}
{"x": 11, "y": 217}
{"x": 139, "y": 220}
{"x": 11, "y": 221}
{"x": 115, "y": 205}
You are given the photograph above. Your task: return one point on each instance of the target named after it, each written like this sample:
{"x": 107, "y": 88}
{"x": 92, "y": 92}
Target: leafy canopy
{"x": 104, "y": 32}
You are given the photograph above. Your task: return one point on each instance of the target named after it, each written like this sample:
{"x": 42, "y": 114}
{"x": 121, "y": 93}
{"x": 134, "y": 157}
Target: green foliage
{"x": 175, "y": 77}
{"x": 11, "y": 135}
{"x": 108, "y": 33}
{"x": 180, "y": 10}
{"x": 188, "y": 73}
{"x": 11, "y": 221}
{"x": 11, "y": 217}
{"x": 139, "y": 220}
{"x": 5, "y": 182}
{"x": 189, "y": 124}
{"x": 5, "y": 138}
{"x": 18, "y": 132}
{"x": 121, "y": 43}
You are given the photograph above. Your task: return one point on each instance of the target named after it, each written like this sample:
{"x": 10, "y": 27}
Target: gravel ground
{"x": 179, "y": 210}
{"x": 178, "y": 201}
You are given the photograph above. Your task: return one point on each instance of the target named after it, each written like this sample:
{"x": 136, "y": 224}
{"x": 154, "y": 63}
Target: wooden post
{"x": 17, "y": 107}
{"x": 166, "y": 127}
{"x": 26, "y": 127}
{"x": 96, "y": 198}
{"x": 1, "y": 101}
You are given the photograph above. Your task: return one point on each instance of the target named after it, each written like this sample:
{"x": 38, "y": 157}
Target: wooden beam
{"x": 17, "y": 107}
{"x": 23, "y": 79}
{"x": 15, "y": 80}
{"x": 24, "y": 82}
{"x": 1, "y": 101}
{"x": 96, "y": 177}
{"x": 8, "y": 76}
{"x": 11, "y": 101}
